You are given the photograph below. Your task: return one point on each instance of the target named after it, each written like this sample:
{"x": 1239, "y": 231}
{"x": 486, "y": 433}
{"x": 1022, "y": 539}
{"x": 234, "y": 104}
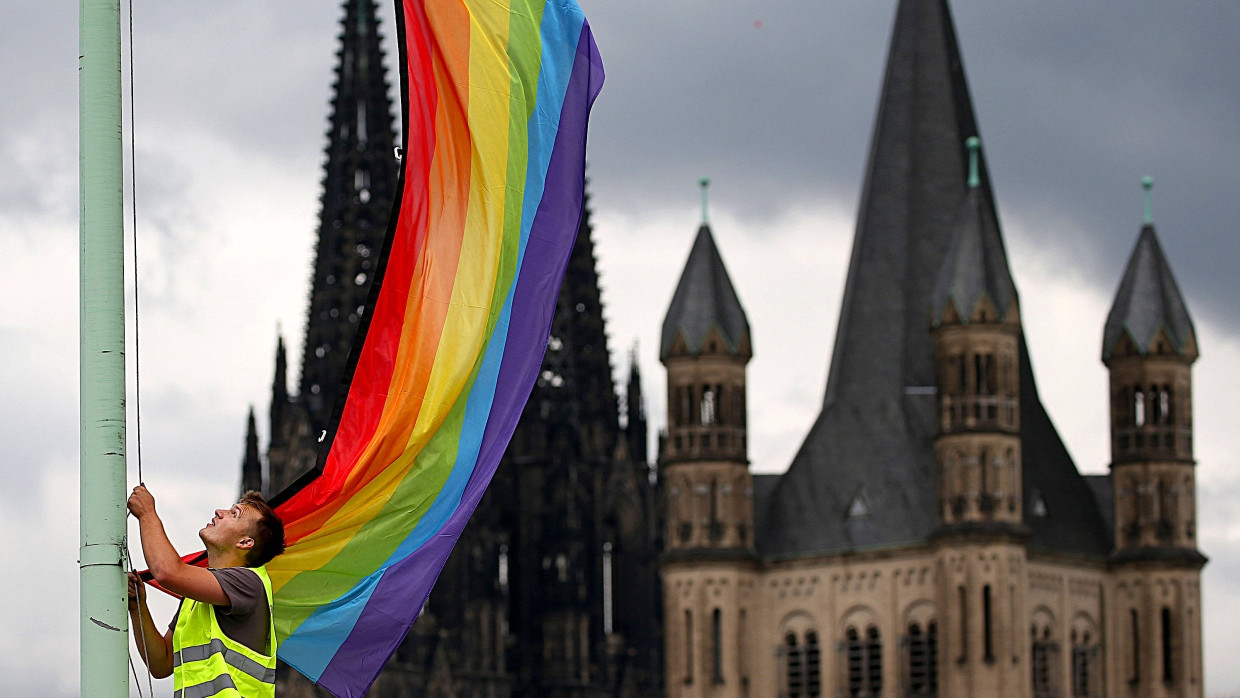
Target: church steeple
{"x": 705, "y": 305}
{"x": 1149, "y": 346}
{"x": 1149, "y": 315}
{"x": 883, "y": 375}
{"x": 252, "y": 466}
{"x": 359, "y": 182}
{"x": 706, "y": 347}
{"x": 976, "y": 331}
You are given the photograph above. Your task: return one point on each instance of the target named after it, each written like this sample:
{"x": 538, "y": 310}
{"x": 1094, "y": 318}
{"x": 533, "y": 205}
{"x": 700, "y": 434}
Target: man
{"x": 221, "y": 642}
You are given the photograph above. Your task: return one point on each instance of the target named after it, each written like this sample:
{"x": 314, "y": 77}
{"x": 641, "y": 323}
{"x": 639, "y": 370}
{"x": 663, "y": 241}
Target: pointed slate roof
{"x": 704, "y": 300}
{"x": 878, "y": 420}
{"x": 1148, "y": 300}
{"x": 975, "y": 267}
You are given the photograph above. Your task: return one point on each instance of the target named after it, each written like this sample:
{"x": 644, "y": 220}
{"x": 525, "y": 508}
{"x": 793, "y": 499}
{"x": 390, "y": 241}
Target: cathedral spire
{"x": 359, "y": 182}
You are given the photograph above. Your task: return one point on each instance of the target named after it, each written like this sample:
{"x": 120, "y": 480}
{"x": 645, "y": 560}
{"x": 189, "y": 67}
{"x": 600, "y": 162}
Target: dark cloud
{"x": 1076, "y": 103}
{"x": 772, "y": 100}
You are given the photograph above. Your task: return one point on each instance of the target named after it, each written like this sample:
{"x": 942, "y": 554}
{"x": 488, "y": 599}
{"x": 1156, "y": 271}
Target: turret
{"x": 1149, "y": 346}
{"x": 976, "y": 331}
{"x": 705, "y": 347}
{"x": 976, "y": 328}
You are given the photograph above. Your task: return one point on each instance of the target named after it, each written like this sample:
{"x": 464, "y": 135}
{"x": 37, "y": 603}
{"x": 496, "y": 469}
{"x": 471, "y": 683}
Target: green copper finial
{"x": 704, "y": 182}
{"x": 973, "y": 144}
{"x": 1147, "y": 183}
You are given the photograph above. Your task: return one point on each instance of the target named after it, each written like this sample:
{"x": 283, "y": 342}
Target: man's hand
{"x": 141, "y": 502}
{"x": 137, "y": 591}
{"x": 167, "y": 567}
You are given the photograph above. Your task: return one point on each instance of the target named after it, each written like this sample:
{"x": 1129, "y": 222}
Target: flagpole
{"x": 104, "y": 621}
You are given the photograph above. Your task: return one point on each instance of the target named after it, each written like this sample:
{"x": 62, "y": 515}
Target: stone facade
{"x": 932, "y": 537}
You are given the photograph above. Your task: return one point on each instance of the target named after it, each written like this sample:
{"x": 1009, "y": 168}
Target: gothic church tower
{"x": 359, "y": 183}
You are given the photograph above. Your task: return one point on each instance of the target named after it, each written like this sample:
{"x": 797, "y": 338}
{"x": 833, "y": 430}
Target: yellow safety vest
{"x": 206, "y": 662}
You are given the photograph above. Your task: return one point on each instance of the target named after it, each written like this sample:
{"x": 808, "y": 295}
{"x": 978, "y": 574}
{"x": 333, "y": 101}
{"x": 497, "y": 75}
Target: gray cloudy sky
{"x": 772, "y": 100}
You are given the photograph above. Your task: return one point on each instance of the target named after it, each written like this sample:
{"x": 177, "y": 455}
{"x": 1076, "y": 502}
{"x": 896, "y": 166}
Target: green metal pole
{"x": 104, "y": 614}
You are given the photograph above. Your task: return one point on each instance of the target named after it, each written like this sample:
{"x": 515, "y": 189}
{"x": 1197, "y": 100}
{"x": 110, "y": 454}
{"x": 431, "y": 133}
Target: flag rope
{"x": 143, "y": 651}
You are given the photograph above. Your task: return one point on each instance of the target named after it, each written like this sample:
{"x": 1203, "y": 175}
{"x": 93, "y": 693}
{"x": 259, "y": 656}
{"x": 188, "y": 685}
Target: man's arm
{"x": 166, "y": 565}
{"x": 154, "y": 647}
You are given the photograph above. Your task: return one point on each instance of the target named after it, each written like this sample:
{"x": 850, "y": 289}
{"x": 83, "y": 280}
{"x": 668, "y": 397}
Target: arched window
{"x": 991, "y": 382}
{"x": 714, "y": 504}
{"x": 684, "y": 406}
{"x": 979, "y": 374}
{"x": 920, "y": 670}
{"x": 863, "y": 658}
{"x": 1168, "y": 657}
{"x": 1135, "y": 646}
{"x": 1084, "y": 664}
{"x": 988, "y": 635}
{"x": 688, "y": 646}
{"x": 963, "y": 599}
{"x": 1138, "y": 408}
{"x": 962, "y": 376}
{"x": 709, "y": 405}
{"x": 855, "y": 660}
{"x": 795, "y": 666}
{"x": 1042, "y": 663}
{"x": 716, "y": 641}
{"x": 1123, "y": 412}
{"x": 874, "y": 662}
{"x": 813, "y": 665}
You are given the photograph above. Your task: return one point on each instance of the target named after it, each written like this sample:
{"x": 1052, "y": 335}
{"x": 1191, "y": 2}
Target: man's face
{"x": 230, "y": 527}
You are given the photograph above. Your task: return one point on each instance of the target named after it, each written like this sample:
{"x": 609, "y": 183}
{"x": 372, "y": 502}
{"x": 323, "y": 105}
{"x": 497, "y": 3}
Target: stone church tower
{"x": 980, "y": 539}
{"x": 552, "y": 589}
{"x": 704, "y": 473}
{"x": 932, "y": 535}
{"x": 1149, "y": 347}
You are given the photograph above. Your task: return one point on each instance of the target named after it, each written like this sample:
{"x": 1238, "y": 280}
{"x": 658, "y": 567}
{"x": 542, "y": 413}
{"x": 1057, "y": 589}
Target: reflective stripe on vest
{"x": 234, "y": 659}
{"x": 214, "y": 687}
{"x": 206, "y": 662}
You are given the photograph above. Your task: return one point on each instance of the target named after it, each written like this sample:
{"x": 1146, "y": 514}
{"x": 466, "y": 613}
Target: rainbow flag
{"x": 496, "y": 97}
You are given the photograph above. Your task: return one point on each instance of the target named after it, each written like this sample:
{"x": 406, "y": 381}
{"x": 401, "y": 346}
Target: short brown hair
{"x": 268, "y": 533}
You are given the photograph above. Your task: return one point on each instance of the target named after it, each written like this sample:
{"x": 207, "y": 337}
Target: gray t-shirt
{"x": 248, "y": 618}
